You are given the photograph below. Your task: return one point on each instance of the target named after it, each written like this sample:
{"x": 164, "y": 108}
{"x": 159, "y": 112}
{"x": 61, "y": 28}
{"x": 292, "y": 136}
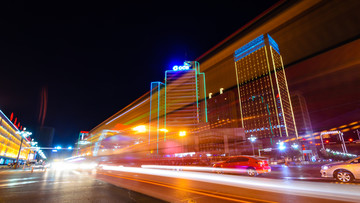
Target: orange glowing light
{"x": 182, "y": 133}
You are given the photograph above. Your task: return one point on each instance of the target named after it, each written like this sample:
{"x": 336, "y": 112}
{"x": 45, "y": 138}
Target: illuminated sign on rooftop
{"x": 186, "y": 66}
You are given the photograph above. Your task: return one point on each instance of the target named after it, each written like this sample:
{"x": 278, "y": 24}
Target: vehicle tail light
{"x": 262, "y": 163}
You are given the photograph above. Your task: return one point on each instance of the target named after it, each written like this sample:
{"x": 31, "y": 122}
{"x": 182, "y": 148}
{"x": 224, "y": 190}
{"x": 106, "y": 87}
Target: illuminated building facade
{"x": 223, "y": 135}
{"x": 10, "y": 141}
{"x": 178, "y": 104}
{"x": 157, "y": 128}
{"x": 265, "y": 106}
{"x": 223, "y": 110}
{"x": 183, "y": 90}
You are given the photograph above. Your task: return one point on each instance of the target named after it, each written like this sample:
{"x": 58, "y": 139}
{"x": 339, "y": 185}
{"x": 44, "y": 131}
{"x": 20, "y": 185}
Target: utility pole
{"x": 17, "y": 159}
{"x": 23, "y": 135}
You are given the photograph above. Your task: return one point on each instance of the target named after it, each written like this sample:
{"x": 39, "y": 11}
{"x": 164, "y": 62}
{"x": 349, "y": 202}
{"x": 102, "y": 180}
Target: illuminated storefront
{"x": 10, "y": 141}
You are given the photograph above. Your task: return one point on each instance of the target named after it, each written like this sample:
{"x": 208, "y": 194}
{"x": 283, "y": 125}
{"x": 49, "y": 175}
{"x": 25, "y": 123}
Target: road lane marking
{"x": 196, "y": 191}
{"x": 17, "y": 183}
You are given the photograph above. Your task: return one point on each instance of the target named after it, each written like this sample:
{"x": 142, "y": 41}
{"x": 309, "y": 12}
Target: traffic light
{"x": 350, "y": 140}
{"x": 327, "y": 141}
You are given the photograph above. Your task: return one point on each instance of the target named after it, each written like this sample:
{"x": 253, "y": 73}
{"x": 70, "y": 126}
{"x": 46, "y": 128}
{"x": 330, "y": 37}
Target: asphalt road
{"x": 131, "y": 184}
{"x": 18, "y": 186}
{"x": 183, "y": 186}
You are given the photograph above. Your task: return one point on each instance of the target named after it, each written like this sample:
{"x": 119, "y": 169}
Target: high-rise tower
{"x": 178, "y": 104}
{"x": 265, "y": 105}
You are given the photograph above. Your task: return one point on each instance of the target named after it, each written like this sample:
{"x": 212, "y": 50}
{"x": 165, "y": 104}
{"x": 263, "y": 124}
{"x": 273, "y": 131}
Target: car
{"x": 346, "y": 171}
{"x": 250, "y": 165}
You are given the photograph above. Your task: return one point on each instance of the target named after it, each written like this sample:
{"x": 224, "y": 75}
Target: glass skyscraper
{"x": 265, "y": 105}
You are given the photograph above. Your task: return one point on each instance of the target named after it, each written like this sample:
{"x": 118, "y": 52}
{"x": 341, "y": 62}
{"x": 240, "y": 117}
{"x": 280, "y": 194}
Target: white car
{"x": 345, "y": 172}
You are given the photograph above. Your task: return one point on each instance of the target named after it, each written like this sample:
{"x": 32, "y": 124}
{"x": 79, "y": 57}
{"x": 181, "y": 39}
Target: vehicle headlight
{"x": 325, "y": 167}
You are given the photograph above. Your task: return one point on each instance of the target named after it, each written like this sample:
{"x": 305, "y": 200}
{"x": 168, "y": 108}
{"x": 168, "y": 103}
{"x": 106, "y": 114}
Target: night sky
{"x": 96, "y": 58}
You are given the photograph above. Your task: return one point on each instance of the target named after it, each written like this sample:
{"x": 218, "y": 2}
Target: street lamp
{"x": 140, "y": 129}
{"x": 252, "y": 140}
{"x": 295, "y": 146}
{"x": 182, "y": 133}
{"x": 164, "y": 130}
{"x": 282, "y": 146}
{"x": 23, "y": 134}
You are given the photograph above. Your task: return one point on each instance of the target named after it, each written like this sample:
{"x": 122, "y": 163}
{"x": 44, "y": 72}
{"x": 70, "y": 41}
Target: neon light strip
{"x": 206, "y": 116}
{"x": 249, "y": 48}
{"x": 238, "y": 85}
{"x": 165, "y": 105}
{"x": 127, "y": 111}
{"x": 287, "y": 88}
{"x": 8, "y": 121}
{"x": 158, "y": 114}
{"x": 273, "y": 44}
{"x": 278, "y": 87}
{"x": 151, "y": 87}
{"x": 197, "y": 94}
{"x": 272, "y": 90}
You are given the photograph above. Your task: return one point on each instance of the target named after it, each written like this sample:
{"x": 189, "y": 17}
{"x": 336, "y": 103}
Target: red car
{"x": 243, "y": 164}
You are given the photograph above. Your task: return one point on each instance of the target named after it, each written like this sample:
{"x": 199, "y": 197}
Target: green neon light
{"x": 267, "y": 106}
{"x": 270, "y": 126}
{"x": 165, "y": 105}
{"x": 206, "y": 116}
{"x": 197, "y": 96}
{"x": 151, "y": 88}
{"x": 158, "y": 114}
{"x": 136, "y": 119}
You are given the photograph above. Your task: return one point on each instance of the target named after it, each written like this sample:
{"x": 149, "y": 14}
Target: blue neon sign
{"x": 181, "y": 68}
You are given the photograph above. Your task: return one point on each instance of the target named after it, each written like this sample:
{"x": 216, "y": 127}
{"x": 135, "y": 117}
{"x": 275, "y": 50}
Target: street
{"x": 132, "y": 184}
{"x": 19, "y": 186}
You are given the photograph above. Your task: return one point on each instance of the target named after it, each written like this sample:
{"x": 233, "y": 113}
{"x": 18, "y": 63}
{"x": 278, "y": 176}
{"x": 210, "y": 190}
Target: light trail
{"x": 304, "y": 188}
{"x": 192, "y": 168}
{"x": 218, "y": 195}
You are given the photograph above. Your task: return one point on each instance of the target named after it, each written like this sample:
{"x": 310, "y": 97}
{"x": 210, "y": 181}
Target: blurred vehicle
{"x": 243, "y": 164}
{"x": 345, "y": 172}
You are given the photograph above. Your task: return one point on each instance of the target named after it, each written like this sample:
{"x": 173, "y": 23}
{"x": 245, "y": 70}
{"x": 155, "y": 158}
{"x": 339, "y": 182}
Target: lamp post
{"x": 252, "y": 140}
{"x": 23, "y": 134}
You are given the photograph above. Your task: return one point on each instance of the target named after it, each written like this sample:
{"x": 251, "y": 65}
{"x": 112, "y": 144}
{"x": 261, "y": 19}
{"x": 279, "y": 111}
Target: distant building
{"x": 301, "y": 114}
{"x": 265, "y": 106}
{"x": 223, "y": 110}
{"x": 44, "y": 136}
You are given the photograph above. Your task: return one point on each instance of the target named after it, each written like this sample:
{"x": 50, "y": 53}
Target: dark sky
{"x": 96, "y": 58}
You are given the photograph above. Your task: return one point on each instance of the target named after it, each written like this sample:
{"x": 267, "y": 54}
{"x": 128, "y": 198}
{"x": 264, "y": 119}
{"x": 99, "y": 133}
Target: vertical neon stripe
{"x": 197, "y": 94}
{"x": 151, "y": 87}
{"x": 272, "y": 88}
{"x": 287, "y": 88}
{"x": 206, "y": 116}
{"x": 165, "y": 106}
{"x": 158, "y": 114}
{"x": 278, "y": 87}
{"x": 238, "y": 86}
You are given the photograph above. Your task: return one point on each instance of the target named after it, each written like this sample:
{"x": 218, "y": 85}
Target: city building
{"x": 265, "y": 105}
{"x": 10, "y": 142}
{"x": 301, "y": 114}
{"x": 316, "y": 47}
{"x": 178, "y": 106}
{"x": 223, "y": 133}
